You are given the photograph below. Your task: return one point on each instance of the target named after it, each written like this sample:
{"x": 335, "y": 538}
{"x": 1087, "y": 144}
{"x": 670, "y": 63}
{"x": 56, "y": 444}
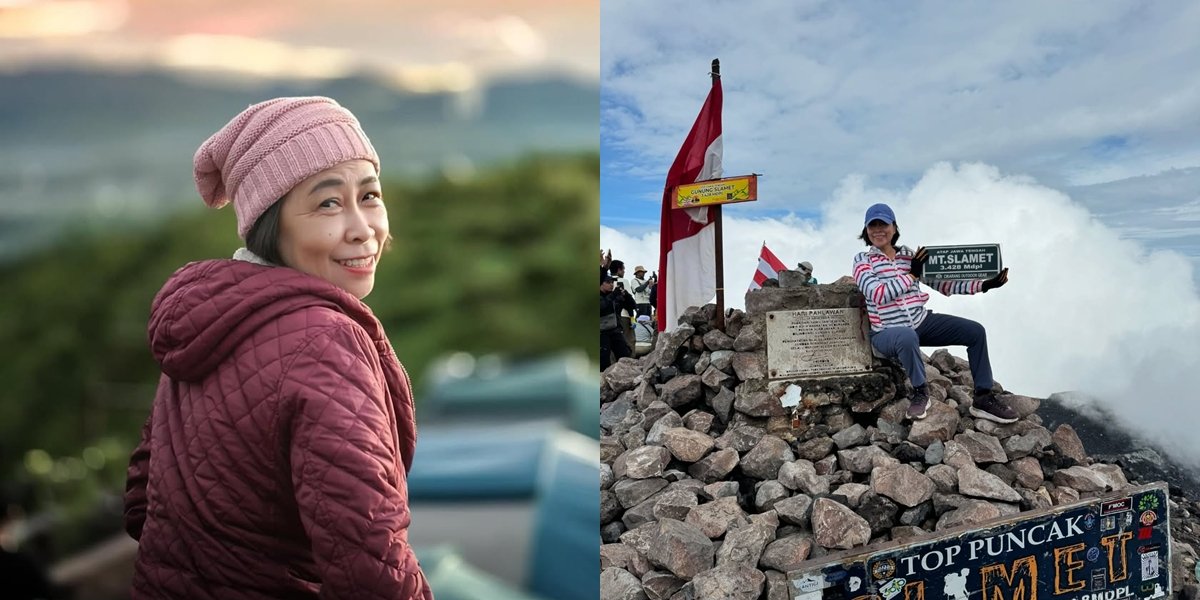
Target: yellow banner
{"x": 717, "y": 191}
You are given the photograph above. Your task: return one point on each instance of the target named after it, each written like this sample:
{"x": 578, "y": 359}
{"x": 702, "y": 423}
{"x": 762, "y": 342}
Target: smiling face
{"x": 880, "y": 233}
{"x": 334, "y": 225}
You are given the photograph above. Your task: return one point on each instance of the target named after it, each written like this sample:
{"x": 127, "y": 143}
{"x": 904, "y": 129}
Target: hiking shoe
{"x": 987, "y": 406}
{"x": 918, "y": 407}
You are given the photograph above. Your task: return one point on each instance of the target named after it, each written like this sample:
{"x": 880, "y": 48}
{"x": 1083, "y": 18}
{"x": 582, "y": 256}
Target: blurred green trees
{"x": 499, "y": 262}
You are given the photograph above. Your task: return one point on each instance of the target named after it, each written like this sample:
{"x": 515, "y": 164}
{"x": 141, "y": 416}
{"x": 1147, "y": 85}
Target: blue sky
{"x": 1067, "y": 132}
{"x": 1096, "y": 100}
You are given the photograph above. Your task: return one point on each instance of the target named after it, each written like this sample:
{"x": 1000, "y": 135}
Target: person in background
{"x": 806, "y": 269}
{"x": 890, "y": 279}
{"x": 616, "y": 269}
{"x": 274, "y": 460}
{"x": 643, "y": 332}
{"x": 21, "y": 577}
{"x": 641, "y": 290}
{"x": 612, "y": 341}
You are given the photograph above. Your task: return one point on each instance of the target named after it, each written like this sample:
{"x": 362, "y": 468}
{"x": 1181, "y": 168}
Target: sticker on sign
{"x": 979, "y": 261}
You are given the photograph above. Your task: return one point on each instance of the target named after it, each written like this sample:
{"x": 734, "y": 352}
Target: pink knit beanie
{"x": 269, "y": 148}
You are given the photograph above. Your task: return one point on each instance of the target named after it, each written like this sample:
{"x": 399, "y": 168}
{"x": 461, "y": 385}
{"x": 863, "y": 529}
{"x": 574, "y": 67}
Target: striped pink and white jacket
{"x": 894, "y": 296}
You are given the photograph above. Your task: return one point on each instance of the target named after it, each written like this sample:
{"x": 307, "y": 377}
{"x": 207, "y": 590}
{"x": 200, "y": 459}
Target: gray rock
{"x": 852, "y": 492}
{"x": 682, "y": 390}
{"x": 901, "y": 532}
{"x": 619, "y": 584}
{"x": 1064, "y": 495}
{"x": 744, "y": 546}
{"x": 610, "y": 448}
{"x": 879, "y": 512}
{"x": 981, "y": 484}
{"x": 624, "y": 375}
{"x": 939, "y": 424}
{"x": 722, "y": 359}
{"x": 777, "y": 586}
{"x": 763, "y": 461}
{"x": 827, "y": 465}
{"x": 610, "y": 507}
{"x": 1024, "y": 405}
{"x": 796, "y": 510}
{"x": 669, "y": 345}
{"x": 768, "y": 493}
{"x": 703, "y": 364}
{"x": 641, "y": 514}
{"x": 836, "y": 526}
{"x": 660, "y": 586}
{"x": 687, "y": 445}
{"x": 749, "y": 365}
{"x": 611, "y": 532}
{"x": 614, "y": 413}
{"x": 1080, "y": 478}
{"x": 644, "y": 395}
{"x": 935, "y": 453}
{"x": 916, "y": 515}
{"x": 720, "y": 489}
{"x": 606, "y": 476}
{"x": 983, "y": 448}
{"x": 714, "y": 377}
{"x": 641, "y": 539}
{"x": 616, "y": 555}
{"x": 1113, "y": 476}
{"x": 729, "y": 582}
{"x": 757, "y": 404}
{"x": 716, "y": 517}
{"x": 855, "y": 435}
{"x": 722, "y": 404}
{"x": 903, "y": 484}
{"x": 681, "y": 549}
{"x": 971, "y": 514}
{"x": 715, "y": 466}
{"x": 674, "y": 504}
{"x": 1035, "y": 500}
{"x": 699, "y": 420}
{"x": 861, "y": 459}
{"x": 635, "y": 435}
{"x": 815, "y": 449}
{"x": 642, "y": 463}
{"x": 785, "y": 554}
{"x": 717, "y": 340}
{"x": 1019, "y": 446}
{"x": 1029, "y": 472}
{"x": 802, "y": 475}
{"x": 945, "y": 478}
{"x": 631, "y": 492}
{"x": 665, "y": 422}
{"x": 1007, "y": 475}
{"x": 741, "y": 439}
{"x": 1068, "y": 443}
{"x": 957, "y": 455}
{"x": 748, "y": 340}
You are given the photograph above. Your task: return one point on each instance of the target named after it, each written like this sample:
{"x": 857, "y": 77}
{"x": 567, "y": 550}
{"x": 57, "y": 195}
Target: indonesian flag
{"x": 769, "y": 267}
{"x": 687, "y": 251}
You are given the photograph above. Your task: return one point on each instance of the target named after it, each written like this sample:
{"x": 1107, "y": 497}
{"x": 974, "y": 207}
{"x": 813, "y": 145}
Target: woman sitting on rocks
{"x": 890, "y": 277}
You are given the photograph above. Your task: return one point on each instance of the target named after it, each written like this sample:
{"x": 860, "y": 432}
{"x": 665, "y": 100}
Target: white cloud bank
{"x": 1084, "y": 309}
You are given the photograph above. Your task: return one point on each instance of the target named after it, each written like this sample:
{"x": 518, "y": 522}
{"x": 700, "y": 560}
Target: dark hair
{"x": 615, "y": 266}
{"x": 895, "y": 238}
{"x": 263, "y": 237}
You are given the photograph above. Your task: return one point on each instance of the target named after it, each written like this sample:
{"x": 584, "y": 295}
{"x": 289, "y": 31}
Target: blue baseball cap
{"x": 882, "y": 212}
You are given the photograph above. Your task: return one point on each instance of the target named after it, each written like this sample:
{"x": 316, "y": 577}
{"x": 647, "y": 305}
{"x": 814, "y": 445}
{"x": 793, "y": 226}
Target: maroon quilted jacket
{"x": 274, "y": 461}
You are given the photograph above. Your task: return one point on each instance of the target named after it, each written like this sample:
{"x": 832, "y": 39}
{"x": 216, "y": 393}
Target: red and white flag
{"x": 687, "y": 270}
{"x": 769, "y": 267}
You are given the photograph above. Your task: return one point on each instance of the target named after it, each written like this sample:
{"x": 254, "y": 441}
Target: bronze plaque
{"x": 817, "y": 342}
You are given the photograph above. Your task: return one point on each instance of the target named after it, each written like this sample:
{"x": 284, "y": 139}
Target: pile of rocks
{"x": 709, "y": 491}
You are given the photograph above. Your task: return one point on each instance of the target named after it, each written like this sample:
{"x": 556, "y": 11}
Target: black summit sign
{"x": 979, "y": 261}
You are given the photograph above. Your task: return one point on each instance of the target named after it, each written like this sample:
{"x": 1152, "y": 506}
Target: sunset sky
{"x": 447, "y": 45}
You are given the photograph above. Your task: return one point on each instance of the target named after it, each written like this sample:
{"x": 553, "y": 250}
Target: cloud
{"x": 1074, "y": 94}
{"x": 1085, "y": 310}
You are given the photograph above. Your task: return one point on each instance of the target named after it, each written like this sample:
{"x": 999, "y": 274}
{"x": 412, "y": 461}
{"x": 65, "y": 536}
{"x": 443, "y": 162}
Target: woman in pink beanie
{"x": 275, "y": 458}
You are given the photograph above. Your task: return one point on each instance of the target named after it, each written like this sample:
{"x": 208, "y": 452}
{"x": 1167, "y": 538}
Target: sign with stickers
{"x": 1110, "y": 548}
{"x": 948, "y": 263}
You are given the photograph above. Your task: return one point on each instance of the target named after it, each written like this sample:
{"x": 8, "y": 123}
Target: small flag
{"x": 769, "y": 267}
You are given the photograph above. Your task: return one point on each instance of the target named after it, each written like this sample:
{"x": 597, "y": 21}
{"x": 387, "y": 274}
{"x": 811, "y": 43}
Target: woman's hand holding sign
{"x": 1000, "y": 279}
{"x": 918, "y": 262}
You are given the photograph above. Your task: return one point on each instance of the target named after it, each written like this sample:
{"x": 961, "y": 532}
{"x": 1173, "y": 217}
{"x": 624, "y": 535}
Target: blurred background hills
{"x": 114, "y": 147}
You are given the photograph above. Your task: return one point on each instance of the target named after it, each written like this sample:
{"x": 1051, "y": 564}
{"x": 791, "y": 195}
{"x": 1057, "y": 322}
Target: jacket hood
{"x": 207, "y": 309}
